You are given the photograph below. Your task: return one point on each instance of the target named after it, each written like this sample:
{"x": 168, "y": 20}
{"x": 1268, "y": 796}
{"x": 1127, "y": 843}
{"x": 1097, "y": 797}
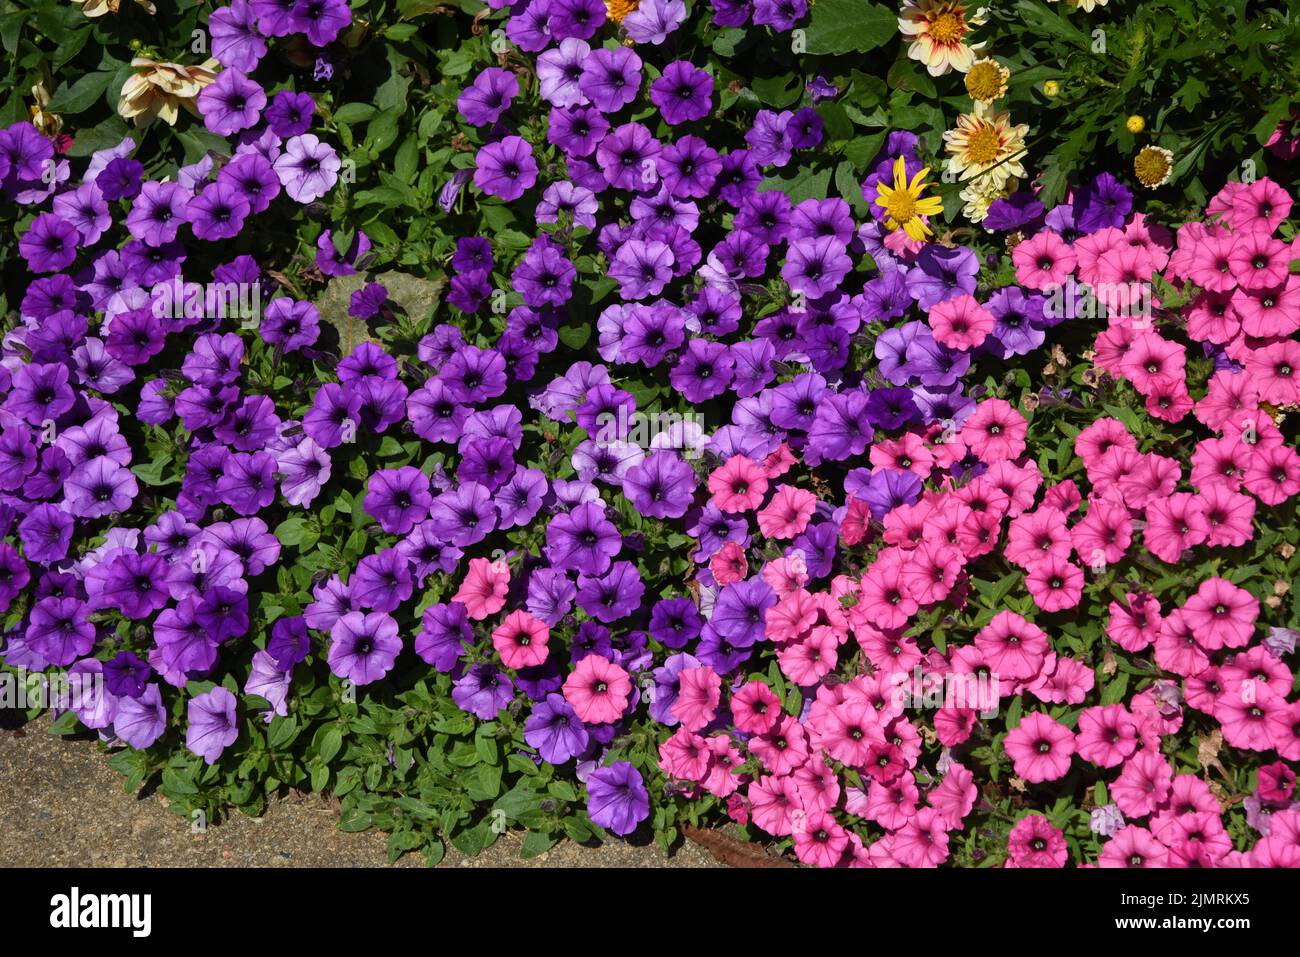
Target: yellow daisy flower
{"x": 985, "y": 143}
{"x": 986, "y": 80}
{"x": 903, "y": 204}
{"x": 1152, "y": 166}
{"x": 938, "y": 30}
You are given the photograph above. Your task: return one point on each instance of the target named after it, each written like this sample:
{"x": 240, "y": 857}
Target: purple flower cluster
{"x": 692, "y": 235}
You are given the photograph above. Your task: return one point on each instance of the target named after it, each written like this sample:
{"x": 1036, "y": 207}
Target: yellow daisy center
{"x": 1151, "y": 166}
{"x": 984, "y": 82}
{"x": 983, "y": 146}
{"x": 947, "y": 28}
{"x": 900, "y": 206}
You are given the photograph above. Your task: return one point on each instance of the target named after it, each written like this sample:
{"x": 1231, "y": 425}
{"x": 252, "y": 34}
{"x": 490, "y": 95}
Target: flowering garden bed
{"x": 873, "y": 428}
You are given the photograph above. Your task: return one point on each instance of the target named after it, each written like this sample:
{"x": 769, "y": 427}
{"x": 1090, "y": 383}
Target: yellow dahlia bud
{"x": 1051, "y": 88}
{"x": 1135, "y": 124}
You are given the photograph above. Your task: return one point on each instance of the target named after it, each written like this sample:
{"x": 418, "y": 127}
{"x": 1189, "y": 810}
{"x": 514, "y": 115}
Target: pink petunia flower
{"x": 1040, "y": 748}
{"x": 483, "y": 592}
{"x": 597, "y": 689}
{"x": 521, "y": 640}
{"x": 699, "y": 691}
{"x": 788, "y": 513}
{"x": 738, "y": 485}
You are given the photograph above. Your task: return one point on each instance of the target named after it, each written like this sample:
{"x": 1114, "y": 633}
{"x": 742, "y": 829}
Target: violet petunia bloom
{"x": 840, "y": 428}
{"x": 545, "y": 275}
{"x": 490, "y": 95}
{"x": 941, "y": 273}
{"x": 266, "y": 680}
{"x": 885, "y": 490}
{"x": 1103, "y": 203}
{"x": 617, "y": 798}
{"x": 363, "y": 647}
{"x": 60, "y": 630}
{"x": 683, "y": 93}
{"x": 611, "y": 79}
{"x": 583, "y": 540}
{"x": 308, "y": 168}
{"x": 613, "y": 596}
{"x": 213, "y": 726}
{"x": 248, "y": 483}
{"x": 98, "y": 488}
{"x": 675, "y": 621}
{"x": 157, "y": 213}
{"x": 333, "y": 417}
{"x": 290, "y": 324}
{"x": 578, "y": 19}
{"x": 661, "y": 486}
{"x": 816, "y": 266}
{"x": 463, "y": 516}
{"x": 290, "y": 643}
{"x": 236, "y": 43}
{"x": 141, "y": 720}
{"x": 653, "y": 20}
{"x": 741, "y": 611}
{"x": 398, "y": 498}
{"x": 506, "y": 168}
{"x": 126, "y": 675}
{"x": 231, "y": 103}
{"x": 382, "y": 581}
{"x": 445, "y": 635}
{"x": 558, "y": 71}
{"x": 555, "y": 730}
{"x": 304, "y": 470}
{"x": 482, "y": 691}
{"x": 321, "y": 20}
{"x": 550, "y": 595}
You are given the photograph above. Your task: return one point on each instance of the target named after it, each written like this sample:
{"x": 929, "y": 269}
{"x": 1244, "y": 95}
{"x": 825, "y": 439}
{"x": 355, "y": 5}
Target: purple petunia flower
{"x": 213, "y": 726}
{"x": 506, "y": 168}
{"x": 482, "y": 691}
{"x": 231, "y": 103}
{"x": 363, "y": 647}
{"x": 611, "y": 79}
{"x": 308, "y": 168}
{"x": 617, "y": 798}
{"x": 1105, "y": 202}
{"x": 490, "y": 95}
{"x": 555, "y": 730}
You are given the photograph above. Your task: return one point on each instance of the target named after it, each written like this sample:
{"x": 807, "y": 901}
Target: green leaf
{"x": 354, "y": 820}
{"x": 802, "y": 184}
{"x": 81, "y": 95}
{"x": 575, "y": 337}
{"x": 1014, "y": 710}
{"x": 400, "y": 842}
{"x": 849, "y": 26}
{"x": 297, "y": 531}
{"x": 1269, "y": 121}
{"x": 102, "y": 136}
{"x": 330, "y": 743}
{"x": 535, "y": 844}
{"x": 1115, "y": 688}
{"x": 474, "y": 841}
{"x": 562, "y": 790}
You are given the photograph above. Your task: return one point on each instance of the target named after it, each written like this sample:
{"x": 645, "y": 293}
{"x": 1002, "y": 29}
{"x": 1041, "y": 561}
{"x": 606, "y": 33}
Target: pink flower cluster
{"x": 854, "y": 747}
